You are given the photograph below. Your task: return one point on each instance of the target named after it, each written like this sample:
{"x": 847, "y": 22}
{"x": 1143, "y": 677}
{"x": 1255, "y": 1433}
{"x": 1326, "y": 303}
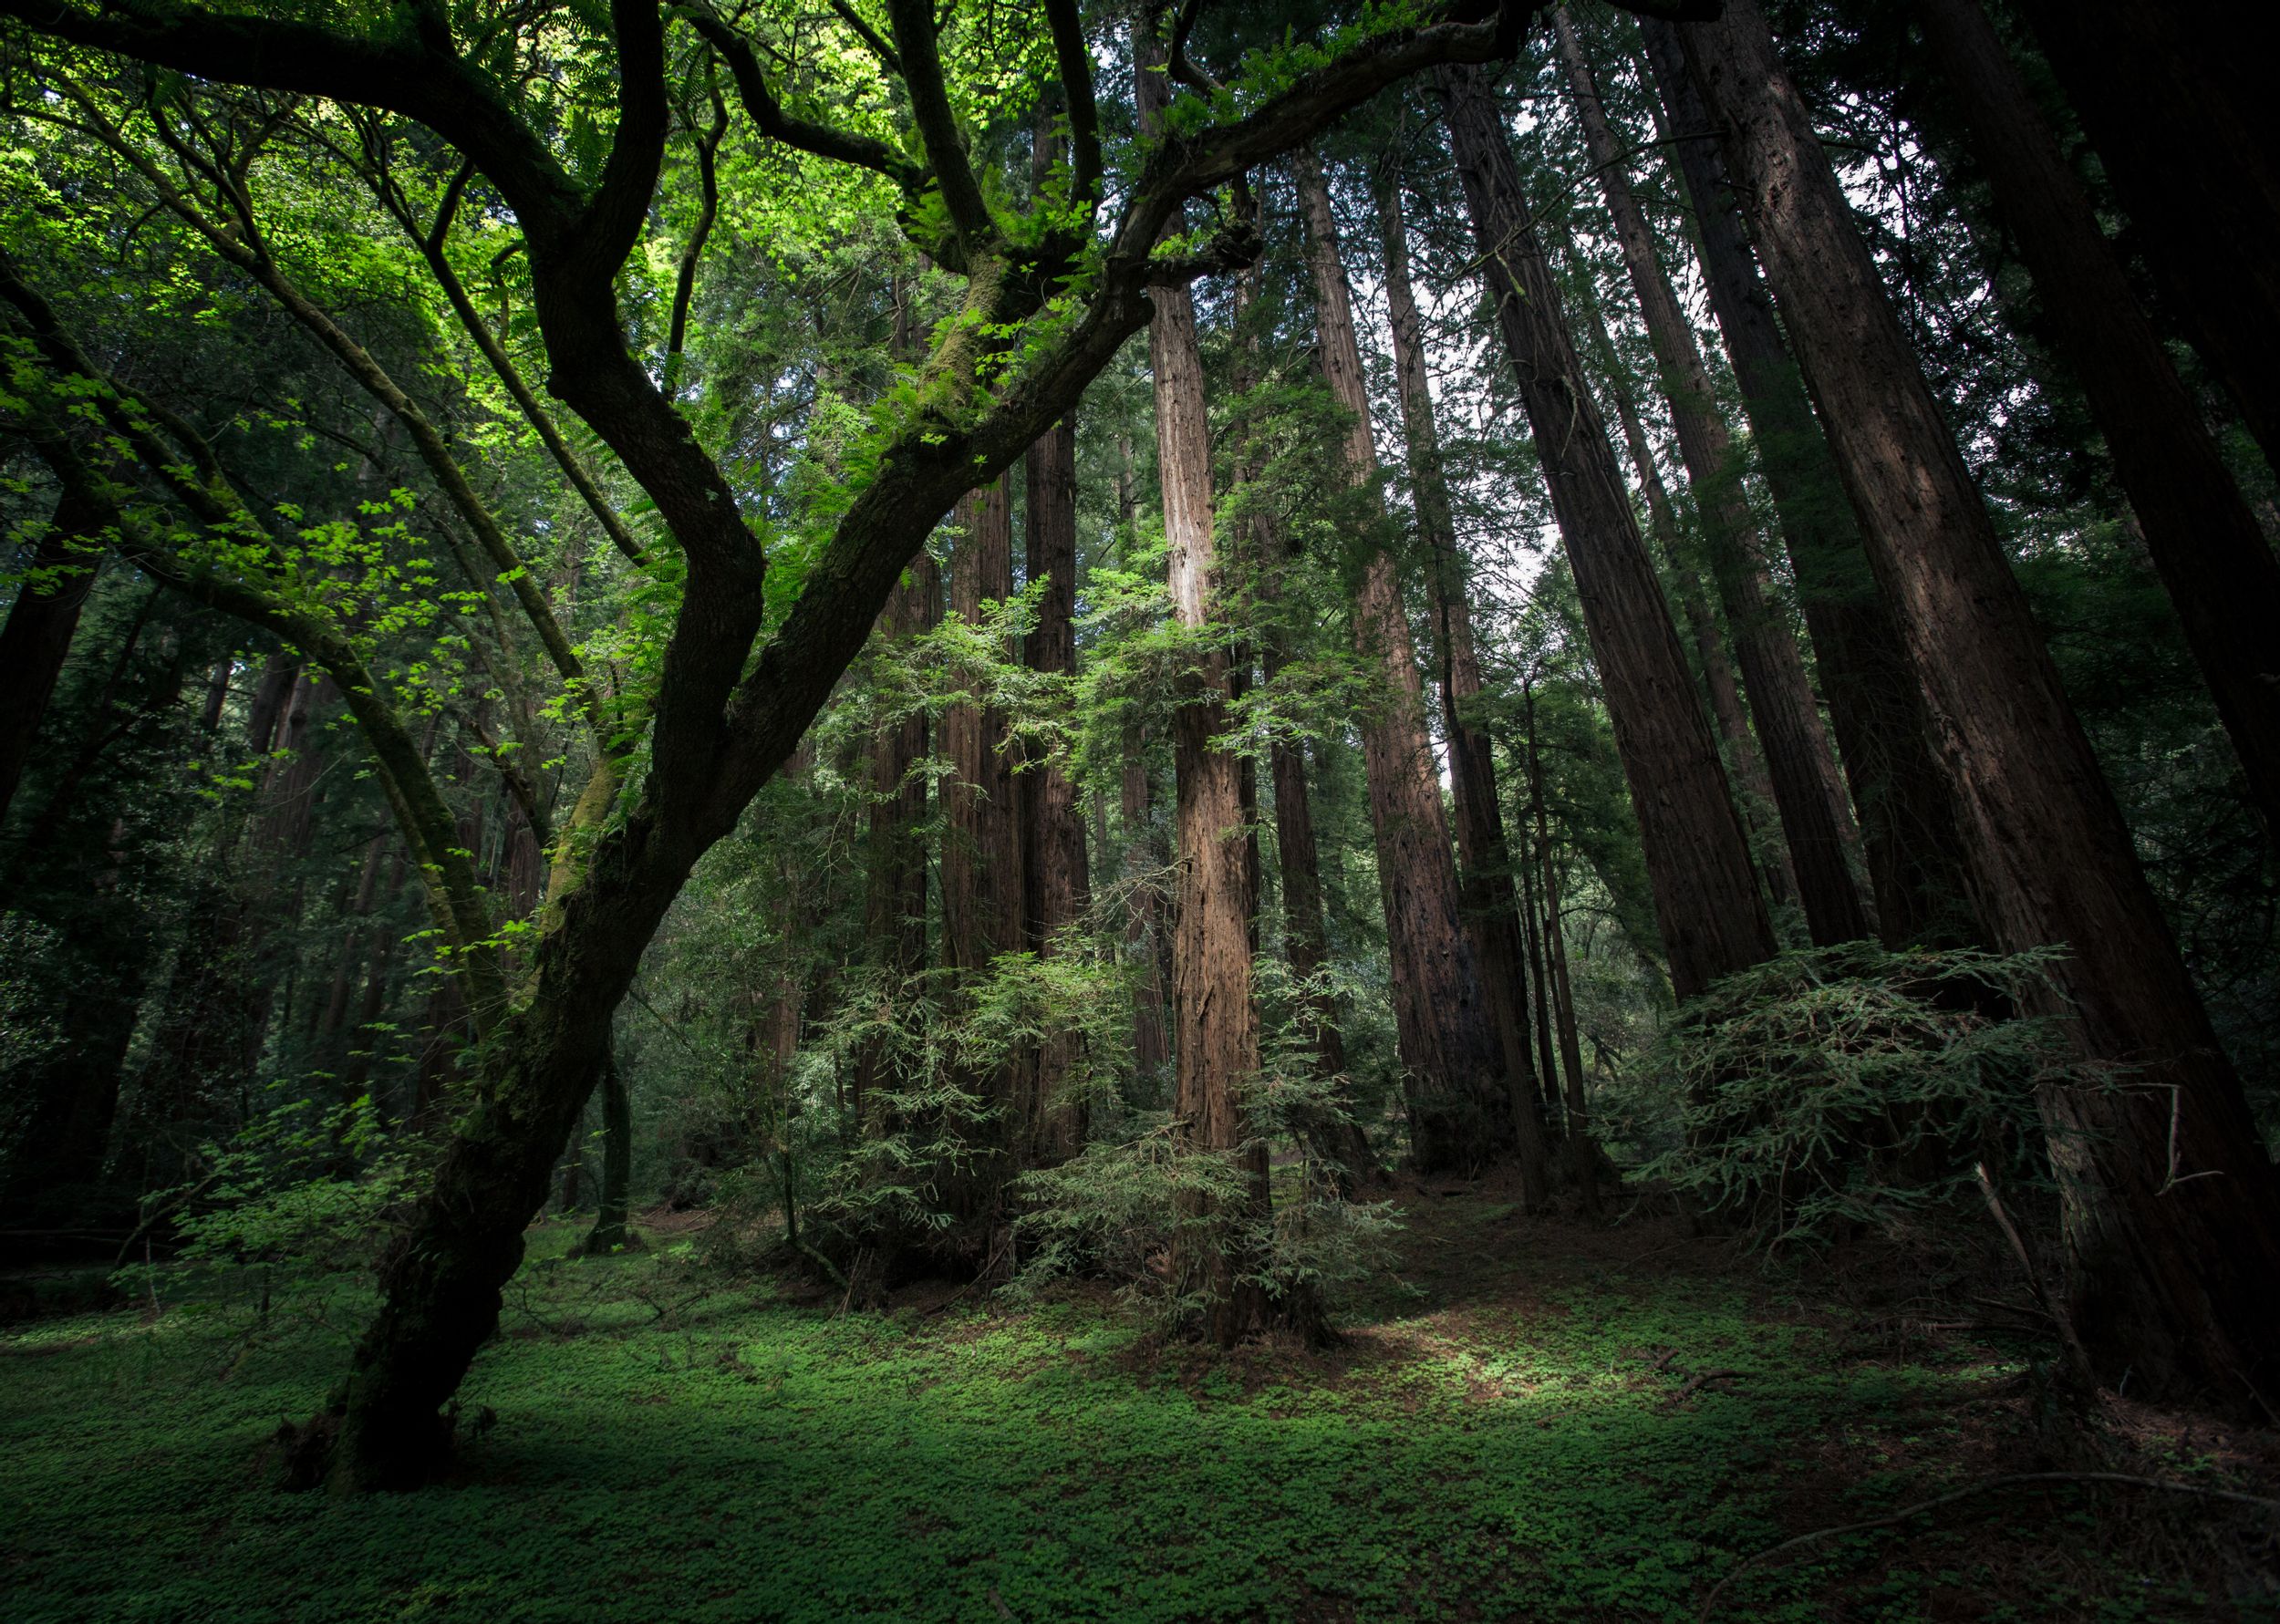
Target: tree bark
{"x": 2170, "y": 1213}
{"x": 981, "y": 866}
{"x": 894, "y": 897}
{"x": 1583, "y": 1152}
{"x": 1484, "y": 884}
{"x": 1780, "y": 699}
{"x": 1910, "y": 836}
{"x": 58, "y": 577}
{"x": 2178, "y": 107}
{"x": 1215, "y": 1010}
{"x": 609, "y": 1232}
{"x": 1712, "y": 919}
{"x": 2204, "y": 542}
{"x": 1744, "y": 760}
{"x": 1055, "y": 888}
{"x": 1459, "y": 1112}
{"x": 1341, "y": 1143}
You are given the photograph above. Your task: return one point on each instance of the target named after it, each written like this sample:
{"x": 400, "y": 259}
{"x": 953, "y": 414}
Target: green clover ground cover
{"x": 1484, "y": 1456}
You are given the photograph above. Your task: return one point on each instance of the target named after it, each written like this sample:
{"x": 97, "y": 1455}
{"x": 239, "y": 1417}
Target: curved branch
{"x": 1073, "y": 60}
{"x": 752, "y": 89}
{"x": 917, "y": 44}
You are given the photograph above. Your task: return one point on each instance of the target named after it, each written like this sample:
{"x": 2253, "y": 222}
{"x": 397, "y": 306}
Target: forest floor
{"x": 1540, "y": 1421}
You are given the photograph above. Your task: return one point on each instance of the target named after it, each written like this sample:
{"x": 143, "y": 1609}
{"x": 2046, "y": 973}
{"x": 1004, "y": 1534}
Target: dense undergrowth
{"x": 1535, "y": 1423}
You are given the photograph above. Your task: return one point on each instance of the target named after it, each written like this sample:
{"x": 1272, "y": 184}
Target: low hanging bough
{"x": 1051, "y": 292}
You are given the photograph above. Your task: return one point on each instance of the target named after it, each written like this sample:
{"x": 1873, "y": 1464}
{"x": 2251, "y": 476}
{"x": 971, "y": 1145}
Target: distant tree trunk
{"x": 1583, "y": 1152}
{"x": 609, "y": 1232}
{"x": 1341, "y": 1144}
{"x": 1215, "y": 1010}
{"x": 1144, "y": 925}
{"x": 1746, "y": 761}
{"x": 1459, "y": 1113}
{"x": 58, "y": 577}
{"x": 1056, "y": 890}
{"x": 2178, "y": 102}
{"x": 894, "y": 899}
{"x": 1780, "y": 699}
{"x": 1485, "y": 886}
{"x": 2211, "y": 552}
{"x": 2171, "y": 1211}
{"x": 982, "y": 872}
{"x": 1712, "y": 918}
{"x": 1908, "y": 817}
{"x": 981, "y": 862}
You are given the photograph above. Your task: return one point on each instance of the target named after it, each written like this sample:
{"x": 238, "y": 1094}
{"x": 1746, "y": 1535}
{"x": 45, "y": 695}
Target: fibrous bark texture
{"x": 1712, "y": 918}
{"x": 2171, "y": 1215}
{"x": 2211, "y": 552}
{"x": 1452, "y": 1071}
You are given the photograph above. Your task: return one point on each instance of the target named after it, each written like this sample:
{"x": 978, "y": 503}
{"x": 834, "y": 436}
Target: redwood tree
{"x": 2171, "y": 1209}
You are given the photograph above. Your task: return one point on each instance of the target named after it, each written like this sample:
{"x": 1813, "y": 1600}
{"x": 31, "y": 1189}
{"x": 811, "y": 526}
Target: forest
{"x": 1202, "y": 810}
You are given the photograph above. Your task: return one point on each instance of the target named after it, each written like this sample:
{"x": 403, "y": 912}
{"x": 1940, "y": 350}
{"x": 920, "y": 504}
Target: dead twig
{"x": 2006, "y": 1480}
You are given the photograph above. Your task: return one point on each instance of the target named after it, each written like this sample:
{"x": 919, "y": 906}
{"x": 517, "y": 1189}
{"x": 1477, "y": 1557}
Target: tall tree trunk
{"x": 895, "y": 898}
{"x": 1485, "y": 886}
{"x": 1780, "y": 699}
{"x": 1908, "y": 816}
{"x": 2177, "y": 103}
{"x": 1745, "y": 761}
{"x": 2172, "y": 1212}
{"x": 1215, "y": 1011}
{"x": 981, "y": 870}
{"x": 1055, "y": 889}
{"x": 1713, "y": 920}
{"x": 1583, "y": 1152}
{"x": 1339, "y": 1142}
{"x": 2211, "y": 554}
{"x": 981, "y": 864}
{"x": 609, "y": 1232}
{"x": 1459, "y": 1114}
{"x": 58, "y": 577}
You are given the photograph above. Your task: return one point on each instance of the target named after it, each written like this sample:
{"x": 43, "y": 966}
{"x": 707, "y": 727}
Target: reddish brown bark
{"x": 1912, "y": 846}
{"x": 1712, "y": 918}
{"x": 1055, "y": 888}
{"x": 1491, "y": 910}
{"x": 1797, "y": 756}
{"x": 1743, "y": 759}
{"x": 1214, "y": 1010}
{"x": 2171, "y": 1215}
{"x": 1459, "y": 1114}
{"x": 2211, "y": 552}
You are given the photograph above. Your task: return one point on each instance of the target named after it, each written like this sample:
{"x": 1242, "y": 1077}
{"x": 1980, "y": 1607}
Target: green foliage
{"x": 300, "y": 1185}
{"x": 674, "y": 1445}
{"x": 1848, "y": 1085}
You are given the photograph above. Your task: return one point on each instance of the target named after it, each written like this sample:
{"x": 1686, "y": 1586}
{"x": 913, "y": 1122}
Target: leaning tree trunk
{"x": 1745, "y": 760}
{"x": 2172, "y": 1212}
{"x": 1459, "y": 1114}
{"x": 2211, "y": 554}
{"x": 1491, "y": 910}
{"x": 2178, "y": 101}
{"x": 1780, "y": 699}
{"x": 1713, "y": 920}
{"x": 1215, "y": 1012}
{"x": 1908, "y": 817}
{"x": 57, "y": 579}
